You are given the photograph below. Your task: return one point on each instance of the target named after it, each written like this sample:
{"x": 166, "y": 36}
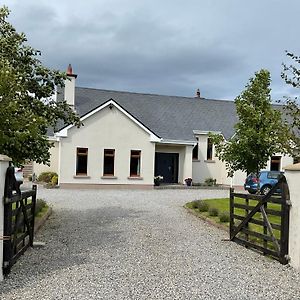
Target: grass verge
{"x": 222, "y": 206}
{"x": 41, "y": 208}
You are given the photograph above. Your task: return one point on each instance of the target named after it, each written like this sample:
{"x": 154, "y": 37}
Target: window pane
{"x": 275, "y": 163}
{"x": 109, "y": 162}
{"x": 82, "y": 150}
{"x": 135, "y": 161}
{"x": 81, "y": 162}
{"x": 209, "y": 149}
{"x": 195, "y": 151}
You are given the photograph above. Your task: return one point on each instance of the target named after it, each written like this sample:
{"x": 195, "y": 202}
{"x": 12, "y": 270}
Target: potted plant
{"x": 157, "y": 180}
{"x": 188, "y": 181}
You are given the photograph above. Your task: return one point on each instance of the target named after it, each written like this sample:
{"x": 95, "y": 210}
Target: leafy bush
{"x": 210, "y": 181}
{"x": 54, "y": 180}
{"x": 46, "y": 176}
{"x": 203, "y": 206}
{"x": 213, "y": 212}
{"x": 195, "y": 204}
{"x": 224, "y": 217}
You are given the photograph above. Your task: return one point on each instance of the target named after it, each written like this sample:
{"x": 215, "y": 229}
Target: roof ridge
{"x": 150, "y": 94}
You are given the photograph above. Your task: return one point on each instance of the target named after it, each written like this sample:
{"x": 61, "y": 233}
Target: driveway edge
{"x": 207, "y": 220}
{"x": 40, "y": 223}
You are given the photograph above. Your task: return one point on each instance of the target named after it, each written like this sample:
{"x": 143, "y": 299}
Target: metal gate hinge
{"x": 287, "y": 257}
{"x": 6, "y": 264}
{"x": 5, "y": 237}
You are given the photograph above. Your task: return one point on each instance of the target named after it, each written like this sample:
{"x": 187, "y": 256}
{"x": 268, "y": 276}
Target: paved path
{"x": 124, "y": 244}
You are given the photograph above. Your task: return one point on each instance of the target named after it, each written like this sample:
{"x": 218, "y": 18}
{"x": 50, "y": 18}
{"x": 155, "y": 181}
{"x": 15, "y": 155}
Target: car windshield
{"x": 273, "y": 175}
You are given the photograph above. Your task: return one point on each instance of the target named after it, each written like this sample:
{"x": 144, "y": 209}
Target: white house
{"x": 128, "y": 138}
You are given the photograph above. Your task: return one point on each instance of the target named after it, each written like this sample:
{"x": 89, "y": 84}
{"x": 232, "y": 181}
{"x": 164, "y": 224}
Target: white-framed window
{"x": 209, "y": 152}
{"x": 81, "y": 161}
{"x": 135, "y": 163}
{"x": 196, "y": 151}
{"x": 109, "y": 162}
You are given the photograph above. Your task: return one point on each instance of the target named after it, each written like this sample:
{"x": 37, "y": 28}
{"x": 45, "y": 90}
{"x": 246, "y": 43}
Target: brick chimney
{"x": 197, "y": 94}
{"x": 70, "y": 86}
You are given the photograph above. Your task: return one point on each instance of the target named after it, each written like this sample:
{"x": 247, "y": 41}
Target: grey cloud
{"x": 169, "y": 47}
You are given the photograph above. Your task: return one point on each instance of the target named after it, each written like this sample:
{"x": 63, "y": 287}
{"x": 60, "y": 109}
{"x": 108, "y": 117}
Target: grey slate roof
{"x": 169, "y": 117}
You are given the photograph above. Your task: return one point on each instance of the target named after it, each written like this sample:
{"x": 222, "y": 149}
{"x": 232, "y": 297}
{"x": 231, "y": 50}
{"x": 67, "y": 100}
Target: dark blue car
{"x": 265, "y": 181}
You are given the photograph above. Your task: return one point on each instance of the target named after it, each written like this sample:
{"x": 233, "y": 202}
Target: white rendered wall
{"x": 285, "y": 161}
{"x": 203, "y": 168}
{"x": 4, "y": 163}
{"x": 188, "y": 162}
{"x": 292, "y": 174}
{"x": 216, "y": 169}
{"x": 54, "y": 156}
{"x": 107, "y": 129}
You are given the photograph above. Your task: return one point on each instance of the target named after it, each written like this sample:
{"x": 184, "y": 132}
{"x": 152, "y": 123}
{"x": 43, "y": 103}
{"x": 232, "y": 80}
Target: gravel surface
{"x": 122, "y": 244}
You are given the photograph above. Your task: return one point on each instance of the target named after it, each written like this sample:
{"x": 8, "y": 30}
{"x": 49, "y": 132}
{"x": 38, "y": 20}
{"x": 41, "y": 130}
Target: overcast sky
{"x": 167, "y": 47}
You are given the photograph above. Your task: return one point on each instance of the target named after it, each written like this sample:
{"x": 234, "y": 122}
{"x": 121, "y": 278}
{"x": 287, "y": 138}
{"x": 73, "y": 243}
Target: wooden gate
{"x": 262, "y": 222}
{"x": 19, "y": 210}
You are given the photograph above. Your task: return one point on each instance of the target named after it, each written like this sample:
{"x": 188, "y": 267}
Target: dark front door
{"x": 166, "y": 165}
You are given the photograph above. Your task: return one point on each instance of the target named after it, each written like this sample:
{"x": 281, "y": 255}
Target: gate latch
{"x": 289, "y": 202}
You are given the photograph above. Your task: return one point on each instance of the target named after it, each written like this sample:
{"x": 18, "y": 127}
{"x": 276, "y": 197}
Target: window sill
{"x": 109, "y": 177}
{"x": 196, "y": 160}
{"x": 135, "y": 178}
{"x": 210, "y": 161}
{"x": 81, "y": 176}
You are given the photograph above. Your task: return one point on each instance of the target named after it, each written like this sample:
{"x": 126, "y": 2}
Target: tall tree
{"x": 260, "y": 131}
{"x": 27, "y": 107}
{"x": 291, "y": 75}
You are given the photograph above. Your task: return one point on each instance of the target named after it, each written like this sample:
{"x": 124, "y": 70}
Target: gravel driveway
{"x": 121, "y": 244}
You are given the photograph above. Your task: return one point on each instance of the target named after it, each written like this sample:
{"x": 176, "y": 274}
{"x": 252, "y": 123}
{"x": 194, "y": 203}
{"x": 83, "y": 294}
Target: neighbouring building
{"x": 128, "y": 138}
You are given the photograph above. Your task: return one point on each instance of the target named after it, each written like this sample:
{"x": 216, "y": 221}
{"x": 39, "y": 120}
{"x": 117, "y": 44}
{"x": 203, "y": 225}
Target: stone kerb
{"x": 4, "y": 163}
{"x": 292, "y": 174}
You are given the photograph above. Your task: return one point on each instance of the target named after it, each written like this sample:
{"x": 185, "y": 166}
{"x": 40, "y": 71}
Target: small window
{"x": 209, "y": 149}
{"x": 135, "y": 163}
{"x": 195, "y": 151}
{"x": 275, "y": 163}
{"x": 81, "y": 161}
{"x": 109, "y": 162}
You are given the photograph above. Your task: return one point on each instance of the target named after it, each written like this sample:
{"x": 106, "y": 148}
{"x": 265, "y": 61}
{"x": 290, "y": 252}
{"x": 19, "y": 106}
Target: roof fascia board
{"x": 203, "y": 132}
{"x": 53, "y": 138}
{"x": 153, "y": 137}
{"x": 178, "y": 142}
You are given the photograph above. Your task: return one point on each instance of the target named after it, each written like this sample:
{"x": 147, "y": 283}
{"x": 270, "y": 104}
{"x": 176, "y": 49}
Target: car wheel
{"x": 265, "y": 189}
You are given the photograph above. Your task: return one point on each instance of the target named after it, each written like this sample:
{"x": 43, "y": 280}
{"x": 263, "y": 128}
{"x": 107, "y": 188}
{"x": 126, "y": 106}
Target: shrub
{"x": 210, "y": 181}
{"x": 46, "y": 176}
{"x": 203, "y": 206}
{"x": 195, "y": 204}
{"x": 54, "y": 180}
{"x": 213, "y": 212}
{"x": 224, "y": 217}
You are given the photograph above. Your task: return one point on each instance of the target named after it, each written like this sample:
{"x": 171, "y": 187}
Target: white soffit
{"x": 178, "y": 142}
{"x": 202, "y": 132}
